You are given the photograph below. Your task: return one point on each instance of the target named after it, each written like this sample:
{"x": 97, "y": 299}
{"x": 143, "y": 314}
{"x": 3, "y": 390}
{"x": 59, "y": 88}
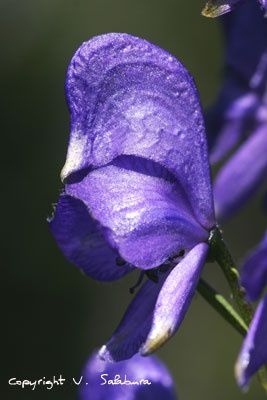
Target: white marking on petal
{"x": 241, "y": 367}
{"x": 75, "y": 155}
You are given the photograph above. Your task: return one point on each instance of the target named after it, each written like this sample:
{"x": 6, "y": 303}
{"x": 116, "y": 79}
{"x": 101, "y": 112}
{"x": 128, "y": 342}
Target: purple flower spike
{"x": 241, "y": 105}
{"x": 112, "y": 381}
{"x": 240, "y": 113}
{"x": 253, "y": 354}
{"x": 137, "y": 182}
{"x": 215, "y": 8}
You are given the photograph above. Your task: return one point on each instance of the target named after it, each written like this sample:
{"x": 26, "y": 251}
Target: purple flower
{"x": 253, "y": 354}
{"x": 138, "y": 192}
{"x": 140, "y": 378}
{"x": 215, "y": 8}
{"x": 240, "y": 113}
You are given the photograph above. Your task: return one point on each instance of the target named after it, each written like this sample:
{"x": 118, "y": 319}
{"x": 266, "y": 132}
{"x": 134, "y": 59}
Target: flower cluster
{"x": 239, "y": 116}
{"x": 137, "y": 191}
{"x": 138, "y": 197}
{"x": 238, "y": 120}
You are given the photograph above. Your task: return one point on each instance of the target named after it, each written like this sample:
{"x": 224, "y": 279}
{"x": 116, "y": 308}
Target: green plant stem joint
{"x": 220, "y": 253}
{"x": 222, "y": 306}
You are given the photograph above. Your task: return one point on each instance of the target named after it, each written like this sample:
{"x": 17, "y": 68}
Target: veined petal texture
{"x": 129, "y": 97}
{"x": 82, "y": 242}
{"x": 146, "y": 218}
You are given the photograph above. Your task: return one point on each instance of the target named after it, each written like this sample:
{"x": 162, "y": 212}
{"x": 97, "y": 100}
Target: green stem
{"x": 221, "y": 305}
{"x": 221, "y": 254}
{"x": 262, "y": 378}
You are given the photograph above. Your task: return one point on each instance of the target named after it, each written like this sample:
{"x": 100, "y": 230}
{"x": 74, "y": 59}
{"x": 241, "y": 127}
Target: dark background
{"x": 52, "y": 315}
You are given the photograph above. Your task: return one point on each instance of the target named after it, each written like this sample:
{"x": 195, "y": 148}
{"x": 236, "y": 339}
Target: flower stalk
{"x": 219, "y": 251}
{"x": 222, "y": 306}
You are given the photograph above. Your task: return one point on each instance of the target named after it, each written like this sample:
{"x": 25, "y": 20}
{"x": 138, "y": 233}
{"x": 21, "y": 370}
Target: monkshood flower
{"x": 253, "y": 354}
{"x": 215, "y": 8}
{"x": 137, "y": 189}
{"x": 240, "y": 113}
{"x": 140, "y": 378}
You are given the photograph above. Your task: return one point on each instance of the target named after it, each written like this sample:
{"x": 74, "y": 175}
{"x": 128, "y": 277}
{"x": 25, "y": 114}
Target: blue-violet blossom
{"x": 253, "y": 354}
{"x": 240, "y": 113}
{"x": 137, "y": 182}
{"x": 140, "y": 378}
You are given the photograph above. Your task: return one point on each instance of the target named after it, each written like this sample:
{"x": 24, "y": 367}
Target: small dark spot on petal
{"x": 120, "y": 261}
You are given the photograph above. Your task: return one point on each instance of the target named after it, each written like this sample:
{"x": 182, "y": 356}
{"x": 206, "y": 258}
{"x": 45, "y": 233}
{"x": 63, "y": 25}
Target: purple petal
{"x": 241, "y": 175}
{"x": 157, "y": 310}
{"x": 127, "y": 96}
{"x": 147, "y": 218}
{"x": 229, "y": 123}
{"x": 253, "y": 353}
{"x": 81, "y": 241}
{"x": 254, "y": 273}
{"x": 175, "y": 298}
{"x": 135, "y": 325}
{"x": 215, "y": 8}
{"x": 97, "y": 373}
{"x": 258, "y": 79}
